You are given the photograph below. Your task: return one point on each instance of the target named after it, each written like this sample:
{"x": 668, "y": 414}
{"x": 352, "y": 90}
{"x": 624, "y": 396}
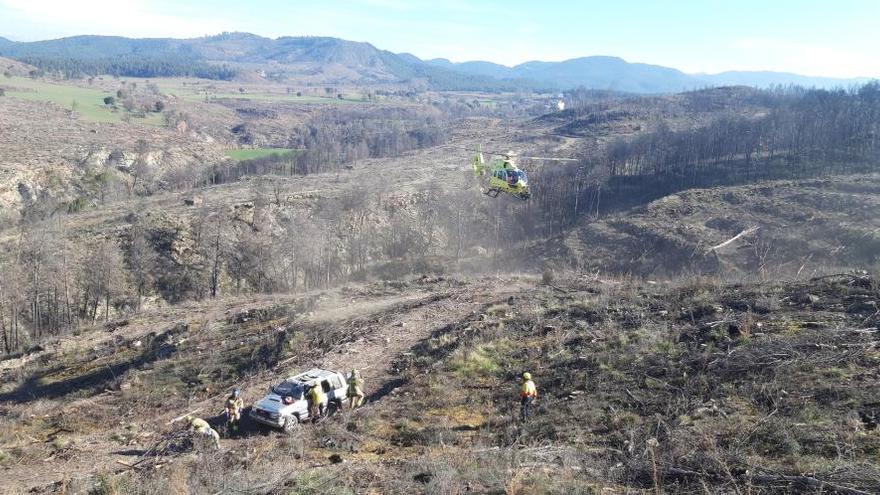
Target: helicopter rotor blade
{"x": 515, "y": 155}
{"x": 487, "y": 152}
{"x": 548, "y": 158}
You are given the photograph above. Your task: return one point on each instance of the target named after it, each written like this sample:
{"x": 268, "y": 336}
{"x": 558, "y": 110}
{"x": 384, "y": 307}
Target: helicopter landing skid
{"x": 492, "y": 193}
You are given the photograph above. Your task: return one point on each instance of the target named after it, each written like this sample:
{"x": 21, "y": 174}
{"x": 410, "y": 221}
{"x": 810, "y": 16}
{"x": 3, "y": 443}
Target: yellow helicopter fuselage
{"x": 503, "y": 177}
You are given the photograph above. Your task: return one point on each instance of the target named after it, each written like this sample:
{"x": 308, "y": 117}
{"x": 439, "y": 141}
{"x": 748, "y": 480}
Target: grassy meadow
{"x": 88, "y": 102}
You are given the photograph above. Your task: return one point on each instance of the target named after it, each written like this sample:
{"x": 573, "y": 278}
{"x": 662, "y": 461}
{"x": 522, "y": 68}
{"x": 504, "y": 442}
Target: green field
{"x": 189, "y": 90}
{"x": 254, "y": 153}
{"x": 87, "y": 102}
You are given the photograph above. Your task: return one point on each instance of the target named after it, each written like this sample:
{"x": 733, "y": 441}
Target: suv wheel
{"x": 291, "y": 424}
{"x": 333, "y": 407}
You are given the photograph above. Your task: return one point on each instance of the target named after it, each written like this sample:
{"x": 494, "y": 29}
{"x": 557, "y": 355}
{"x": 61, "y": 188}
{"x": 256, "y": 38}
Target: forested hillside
{"x": 224, "y": 56}
{"x": 744, "y": 136}
{"x": 229, "y": 55}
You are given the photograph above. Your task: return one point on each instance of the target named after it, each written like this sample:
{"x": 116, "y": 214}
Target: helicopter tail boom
{"x": 479, "y": 164}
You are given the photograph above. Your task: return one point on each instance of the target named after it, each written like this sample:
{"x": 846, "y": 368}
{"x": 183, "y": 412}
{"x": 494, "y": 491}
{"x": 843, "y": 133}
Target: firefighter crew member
{"x": 355, "y": 391}
{"x": 204, "y": 431}
{"x": 527, "y": 395}
{"x": 234, "y": 405}
{"x": 317, "y": 401}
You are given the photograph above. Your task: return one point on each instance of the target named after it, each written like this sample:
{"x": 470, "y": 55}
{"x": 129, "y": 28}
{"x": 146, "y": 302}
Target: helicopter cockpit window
{"x": 514, "y": 176}
{"x": 501, "y": 174}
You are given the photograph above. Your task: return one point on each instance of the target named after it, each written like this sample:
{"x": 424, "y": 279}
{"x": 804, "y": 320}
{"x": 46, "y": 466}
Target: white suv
{"x": 286, "y": 405}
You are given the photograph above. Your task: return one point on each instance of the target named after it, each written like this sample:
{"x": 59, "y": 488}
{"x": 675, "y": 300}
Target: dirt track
{"x": 385, "y": 326}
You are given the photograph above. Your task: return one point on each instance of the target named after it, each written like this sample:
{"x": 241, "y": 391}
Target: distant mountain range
{"x": 607, "y": 73}
{"x": 364, "y": 63}
{"x": 616, "y": 74}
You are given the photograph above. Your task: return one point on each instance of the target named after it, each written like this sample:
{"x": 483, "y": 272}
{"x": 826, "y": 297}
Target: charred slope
{"x": 805, "y": 226}
{"x": 690, "y": 386}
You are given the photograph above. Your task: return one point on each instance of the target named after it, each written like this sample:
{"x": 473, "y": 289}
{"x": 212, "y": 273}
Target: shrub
{"x": 479, "y": 361}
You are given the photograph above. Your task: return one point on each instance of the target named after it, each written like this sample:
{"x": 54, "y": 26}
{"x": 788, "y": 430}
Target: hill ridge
{"x": 604, "y": 72}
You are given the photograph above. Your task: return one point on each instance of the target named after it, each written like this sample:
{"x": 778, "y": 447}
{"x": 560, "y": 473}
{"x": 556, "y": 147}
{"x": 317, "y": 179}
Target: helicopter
{"x": 503, "y": 176}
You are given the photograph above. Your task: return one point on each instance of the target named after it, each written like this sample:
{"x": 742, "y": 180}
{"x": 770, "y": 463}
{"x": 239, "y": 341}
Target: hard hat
{"x": 527, "y": 376}
{"x": 236, "y": 392}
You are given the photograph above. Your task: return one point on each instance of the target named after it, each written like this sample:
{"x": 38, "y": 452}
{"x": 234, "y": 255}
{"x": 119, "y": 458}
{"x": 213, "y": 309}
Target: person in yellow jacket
{"x": 317, "y": 401}
{"x": 204, "y": 431}
{"x": 527, "y": 395}
{"x": 355, "y": 391}
{"x": 234, "y": 405}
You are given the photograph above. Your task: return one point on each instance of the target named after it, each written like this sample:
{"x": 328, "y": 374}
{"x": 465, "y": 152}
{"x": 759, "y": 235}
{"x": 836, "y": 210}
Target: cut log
{"x": 748, "y": 231}
{"x": 766, "y": 479}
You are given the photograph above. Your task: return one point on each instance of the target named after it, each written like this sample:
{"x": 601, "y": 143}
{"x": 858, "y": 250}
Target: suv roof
{"x": 311, "y": 375}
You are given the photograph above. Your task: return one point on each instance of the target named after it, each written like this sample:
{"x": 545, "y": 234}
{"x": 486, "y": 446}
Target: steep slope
{"x": 14, "y": 67}
{"x": 694, "y": 387}
{"x": 804, "y": 227}
{"x": 154, "y": 355}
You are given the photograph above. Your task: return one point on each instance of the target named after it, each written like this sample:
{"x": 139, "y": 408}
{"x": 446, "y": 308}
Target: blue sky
{"x": 820, "y": 38}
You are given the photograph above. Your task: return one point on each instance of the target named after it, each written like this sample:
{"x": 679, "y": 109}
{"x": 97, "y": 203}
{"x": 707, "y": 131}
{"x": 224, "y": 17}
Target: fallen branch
{"x": 283, "y": 362}
{"x": 746, "y": 232}
{"x": 808, "y": 481}
{"x": 181, "y": 417}
{"x": 768, "y": 479}
{"x": 633, "y": 397}
{"x": 865, "y": 330}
